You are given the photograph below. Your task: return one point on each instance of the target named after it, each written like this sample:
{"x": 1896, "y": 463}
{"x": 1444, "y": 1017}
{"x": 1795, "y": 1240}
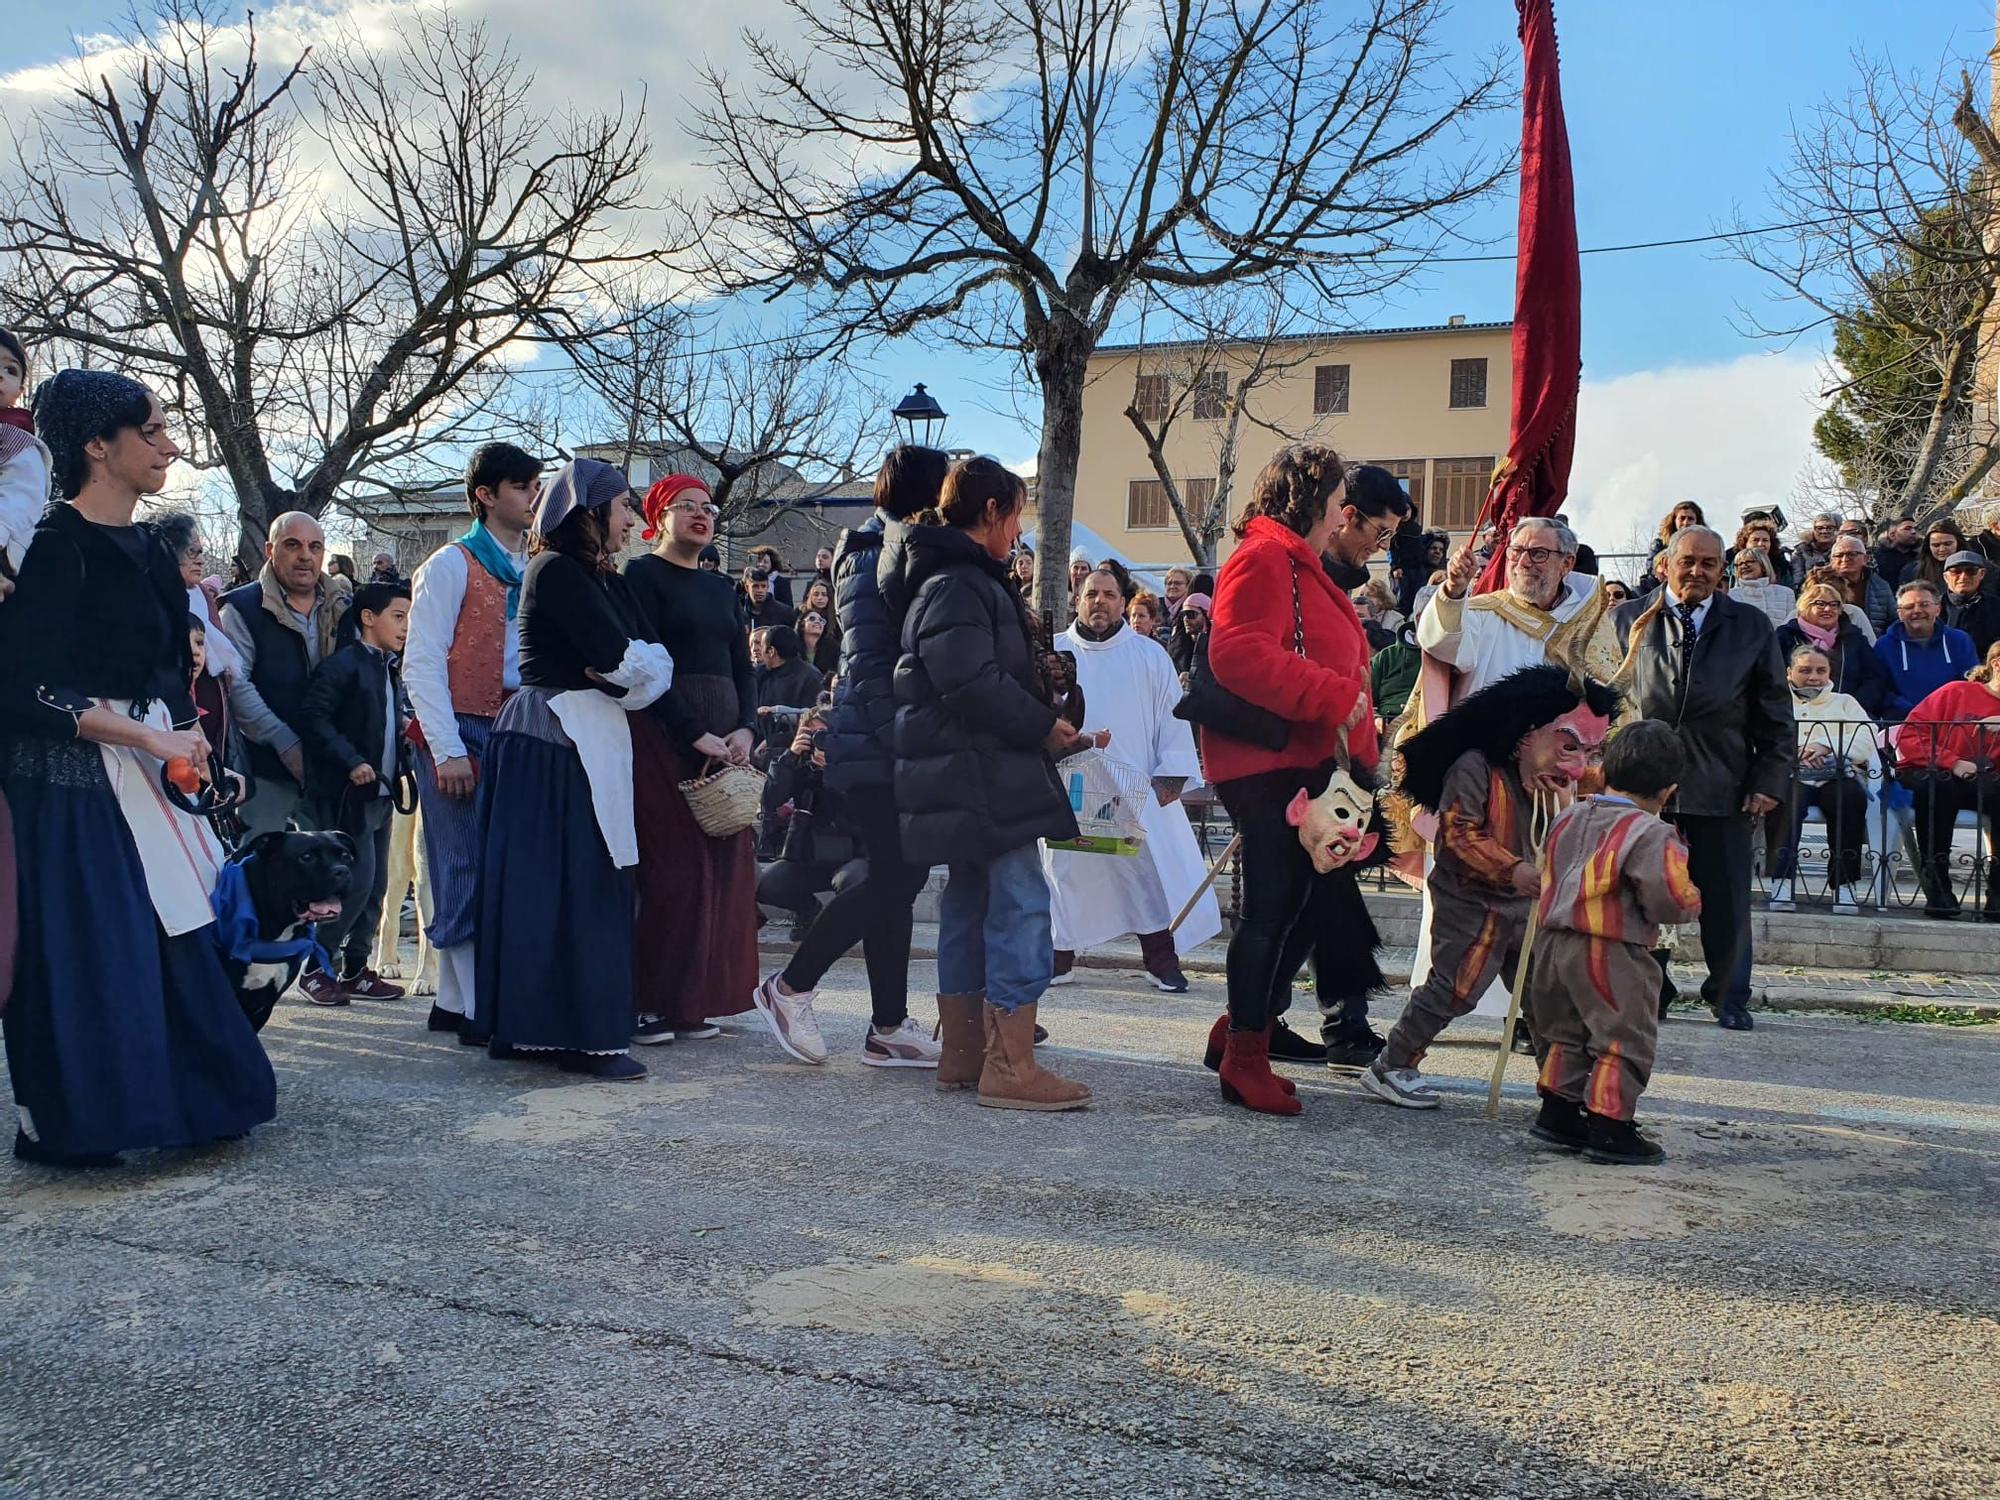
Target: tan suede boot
{"x": 1012, "y": 1079}
{"x": 959, "y": 1024}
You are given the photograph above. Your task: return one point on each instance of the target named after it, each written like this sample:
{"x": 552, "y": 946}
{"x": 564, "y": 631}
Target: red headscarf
{"x": 663, "y": 493}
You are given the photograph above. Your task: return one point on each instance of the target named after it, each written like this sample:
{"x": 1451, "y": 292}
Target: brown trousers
{"x": 1595, "y": 1004}
{"x": 1473, "y": 942}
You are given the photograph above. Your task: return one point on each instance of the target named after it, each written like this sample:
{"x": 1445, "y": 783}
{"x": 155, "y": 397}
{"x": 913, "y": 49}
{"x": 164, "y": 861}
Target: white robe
{"x": 1481, "y": 648}
{"x": 1130, "y": 688}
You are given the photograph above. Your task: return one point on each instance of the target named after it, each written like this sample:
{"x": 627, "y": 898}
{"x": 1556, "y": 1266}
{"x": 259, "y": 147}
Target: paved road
{"x": 442, "y": 1276}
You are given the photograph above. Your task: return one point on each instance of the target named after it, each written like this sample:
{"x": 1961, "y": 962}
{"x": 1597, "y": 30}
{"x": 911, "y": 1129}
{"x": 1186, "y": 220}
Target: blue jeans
{"x": 994, "y": 938}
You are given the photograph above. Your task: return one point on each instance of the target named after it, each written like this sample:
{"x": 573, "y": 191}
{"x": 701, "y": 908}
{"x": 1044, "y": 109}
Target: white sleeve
{"x": 646, "y": 672}
{"x": 1173, "y": 739}
{"x": 1441, "y": 630}
{"x": 24, "y": 495}
{"x": 436, "y": 594}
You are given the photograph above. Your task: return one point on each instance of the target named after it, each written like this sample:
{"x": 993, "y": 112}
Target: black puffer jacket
{"x": 972, "y": 779}
{"x": 860, "y": 732}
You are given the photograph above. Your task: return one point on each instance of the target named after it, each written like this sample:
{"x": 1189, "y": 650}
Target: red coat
{"x": 1946, "y": 728}
{"x": 1250, "y": 651}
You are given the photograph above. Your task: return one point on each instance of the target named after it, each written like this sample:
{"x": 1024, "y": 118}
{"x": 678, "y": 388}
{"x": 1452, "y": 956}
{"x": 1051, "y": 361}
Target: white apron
{"x": 180, "y": 855}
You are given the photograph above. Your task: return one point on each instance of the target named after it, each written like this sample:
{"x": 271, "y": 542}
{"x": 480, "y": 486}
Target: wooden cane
{"x": 1207, "y": 881}
{"x": 1513, "y": 1013}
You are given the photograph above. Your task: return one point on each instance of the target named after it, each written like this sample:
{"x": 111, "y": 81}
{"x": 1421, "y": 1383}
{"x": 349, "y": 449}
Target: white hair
{"x": 1696, "y": 530}
{"x": 1565, "y": 538}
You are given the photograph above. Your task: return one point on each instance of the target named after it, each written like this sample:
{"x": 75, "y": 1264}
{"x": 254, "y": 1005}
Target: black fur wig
{"x": 1493, "y": 721}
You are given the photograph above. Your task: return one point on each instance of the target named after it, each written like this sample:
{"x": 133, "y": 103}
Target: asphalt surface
{"x": 438, "y": 1275}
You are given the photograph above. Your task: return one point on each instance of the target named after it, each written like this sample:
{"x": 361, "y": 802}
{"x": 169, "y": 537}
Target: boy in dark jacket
{"x": 351, "y": 729}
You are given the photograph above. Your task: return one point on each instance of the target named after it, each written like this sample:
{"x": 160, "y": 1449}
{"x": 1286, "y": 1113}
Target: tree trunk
{"x": 1060, "y": 367}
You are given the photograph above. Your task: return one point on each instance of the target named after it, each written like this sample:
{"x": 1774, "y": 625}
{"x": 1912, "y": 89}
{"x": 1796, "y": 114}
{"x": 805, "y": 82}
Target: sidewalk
{"x": 1876, "y": 992}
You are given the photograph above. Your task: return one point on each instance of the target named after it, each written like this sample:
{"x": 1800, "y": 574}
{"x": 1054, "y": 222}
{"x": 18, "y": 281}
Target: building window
{"x": 1461, "y": 491}
{"x": 1468, "y": 382}
{"x": 1329, "y": 390}
{"x": 1150, "y": 395}
{"x": 1147, "y": 509}
{"x": 1211, "y": 395}
{"x": 1411, "y": 472}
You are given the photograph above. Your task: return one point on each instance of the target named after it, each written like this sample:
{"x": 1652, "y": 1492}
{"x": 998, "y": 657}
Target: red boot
{"x": 1212, "y": 1058}
{"x": 1247, "y": 1078}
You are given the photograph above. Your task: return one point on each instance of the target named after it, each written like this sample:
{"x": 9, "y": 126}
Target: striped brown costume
{"x": 1612, "y": 874}
{"x": 1478, "y": 919}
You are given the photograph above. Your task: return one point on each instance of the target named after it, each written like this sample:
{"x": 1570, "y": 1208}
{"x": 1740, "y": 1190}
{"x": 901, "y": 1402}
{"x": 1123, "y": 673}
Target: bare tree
{"x": 769, "y": 421}
{"x": 1895, "y": 243}
{"x": 1011, "y": 170}
{"x": 324, "y": 265}
{"x": 1244, "y": 345}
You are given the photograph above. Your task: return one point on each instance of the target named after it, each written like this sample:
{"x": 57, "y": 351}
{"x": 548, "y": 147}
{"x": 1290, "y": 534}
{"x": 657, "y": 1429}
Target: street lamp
{"x": 921, "y": 416}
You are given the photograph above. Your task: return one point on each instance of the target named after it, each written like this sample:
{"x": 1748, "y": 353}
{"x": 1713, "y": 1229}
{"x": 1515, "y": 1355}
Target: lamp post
{"x": 921, "y": 417}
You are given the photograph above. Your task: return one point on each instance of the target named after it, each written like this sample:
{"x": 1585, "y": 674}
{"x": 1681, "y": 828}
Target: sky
{"x": 1678, "y": 116}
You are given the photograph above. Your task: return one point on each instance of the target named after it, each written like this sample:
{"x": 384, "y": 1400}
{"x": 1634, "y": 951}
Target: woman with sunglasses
{"x": 694, "y": 950}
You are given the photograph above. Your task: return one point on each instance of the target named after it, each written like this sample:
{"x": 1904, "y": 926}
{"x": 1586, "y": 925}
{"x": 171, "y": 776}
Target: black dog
{"x": 270, "y": 896}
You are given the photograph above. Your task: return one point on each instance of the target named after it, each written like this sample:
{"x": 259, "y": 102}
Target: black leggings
{"x": 874, "y": 911}
{"x": 1287, "y": 907}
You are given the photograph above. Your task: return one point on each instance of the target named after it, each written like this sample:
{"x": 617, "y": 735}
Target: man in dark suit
{"x": 1709, "y": 666}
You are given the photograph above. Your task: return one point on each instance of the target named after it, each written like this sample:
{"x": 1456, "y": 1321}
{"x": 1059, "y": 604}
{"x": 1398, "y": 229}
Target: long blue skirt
{"x": 118, "y": 1036}
{"x": 553, "y": 948}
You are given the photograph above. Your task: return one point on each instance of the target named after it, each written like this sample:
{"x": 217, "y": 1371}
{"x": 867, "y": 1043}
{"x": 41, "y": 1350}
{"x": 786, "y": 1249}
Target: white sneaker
{"x": 1844, "y": 902}
{"x": 1403, "y": 1087}
{"x": 1781, "y": 896}
{"x": 1069, "y": 978}
{"x": 908, "y": 1046}
{"x": 791, "y": 1020}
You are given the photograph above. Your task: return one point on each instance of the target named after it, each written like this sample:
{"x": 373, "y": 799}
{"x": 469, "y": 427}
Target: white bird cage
{"x": 1109, "y": 800}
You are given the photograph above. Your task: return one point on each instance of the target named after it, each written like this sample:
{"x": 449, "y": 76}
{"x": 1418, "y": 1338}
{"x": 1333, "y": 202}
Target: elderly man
{"x": 1969, "y": 605}
{"x": 1708, "y": 666}
{"x": 1814, "y": 548}
{"x": 282, "y": 624}
{"x": 1131, "y": 687}
{"x": 1859, "y": 584}
{"x": 1921, "y": 652}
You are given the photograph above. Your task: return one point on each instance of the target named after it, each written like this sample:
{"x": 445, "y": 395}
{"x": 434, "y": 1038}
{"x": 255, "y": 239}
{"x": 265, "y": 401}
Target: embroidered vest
{"x": 475, "y": 664}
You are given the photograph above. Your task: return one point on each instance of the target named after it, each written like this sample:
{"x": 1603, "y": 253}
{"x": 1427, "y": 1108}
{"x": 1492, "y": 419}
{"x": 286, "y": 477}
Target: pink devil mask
{"x": 1557, "y": 756}
{"x": 1334, "y": 825}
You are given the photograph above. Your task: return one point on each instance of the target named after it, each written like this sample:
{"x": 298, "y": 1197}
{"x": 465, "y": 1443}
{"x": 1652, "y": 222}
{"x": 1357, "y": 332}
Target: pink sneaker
{"x": 791, "y": 1020}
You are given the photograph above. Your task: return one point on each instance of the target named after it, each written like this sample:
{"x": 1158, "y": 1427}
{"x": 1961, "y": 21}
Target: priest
{"x": 1131, "y": 686}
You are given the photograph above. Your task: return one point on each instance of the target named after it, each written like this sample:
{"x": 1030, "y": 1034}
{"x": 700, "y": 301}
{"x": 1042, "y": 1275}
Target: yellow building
{"x": 1429, "y": 404}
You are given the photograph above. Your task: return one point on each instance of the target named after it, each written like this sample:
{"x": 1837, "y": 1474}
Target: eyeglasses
{"x": 1535, "y": 555}
{"x": 696, "y": 508}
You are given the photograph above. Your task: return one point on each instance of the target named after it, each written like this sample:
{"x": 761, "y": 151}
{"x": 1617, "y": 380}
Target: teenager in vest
{"x": 462, "y": 660}
{"x": 283, "y": 623}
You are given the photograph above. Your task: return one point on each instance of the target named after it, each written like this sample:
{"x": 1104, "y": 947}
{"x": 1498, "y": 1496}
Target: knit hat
{"x": 580, "y": 484}
{"x": 1078, "y": 555}
{"x": 73, "y": 406}
{"x": 1198, "y": 601}
{"x": 663, "y": 494}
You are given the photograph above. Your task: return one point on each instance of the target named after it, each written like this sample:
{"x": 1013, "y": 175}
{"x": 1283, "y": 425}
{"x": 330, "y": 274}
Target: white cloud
{"x": 1725, "y": 435}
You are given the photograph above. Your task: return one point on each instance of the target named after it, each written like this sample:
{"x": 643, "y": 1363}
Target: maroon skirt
{"x": 694, "y": 950}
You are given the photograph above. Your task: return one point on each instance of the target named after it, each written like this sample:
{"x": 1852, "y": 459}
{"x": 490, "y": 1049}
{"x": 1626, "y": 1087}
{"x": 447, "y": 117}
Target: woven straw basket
{"x": 725, "y": 801}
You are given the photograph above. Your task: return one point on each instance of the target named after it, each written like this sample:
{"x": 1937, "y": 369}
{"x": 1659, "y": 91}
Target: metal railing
{"x": 1858, "y": 834}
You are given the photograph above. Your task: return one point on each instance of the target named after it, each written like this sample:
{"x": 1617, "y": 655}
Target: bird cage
{"x": 1109, "y": 800}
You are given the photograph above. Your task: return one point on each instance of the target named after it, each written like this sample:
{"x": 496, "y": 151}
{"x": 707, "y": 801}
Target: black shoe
{"x": 799, "y": 931}
{"x": 619, "y": 1067}
{"x": 1349, "y": 1055}
{"x": 1618, "y": 1143}
{"x": 1524, "y": 1039}
{"x": 1041, "y": 1035}
{"x": 1561, "y": 1124}
{"x": 1734, "y": 1018}
{"x": 444, "y": 1020}
{"x": 1288, "y": 1046}
{"x": 1940, "y": 900}
{"x": 35, "y": 1151}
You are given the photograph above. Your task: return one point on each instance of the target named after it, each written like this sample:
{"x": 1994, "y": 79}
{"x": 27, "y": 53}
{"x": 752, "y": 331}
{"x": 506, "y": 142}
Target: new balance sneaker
{"x": 1168, "y": 977}
{"x": 1402, "y": 1087}
{"x": 908, "y": 1046}
{"x": 791, "y": 1020}
{"x": 321, "y": 988}
{"x": 368, "y": 985}
{"x": 653, "y": 1031}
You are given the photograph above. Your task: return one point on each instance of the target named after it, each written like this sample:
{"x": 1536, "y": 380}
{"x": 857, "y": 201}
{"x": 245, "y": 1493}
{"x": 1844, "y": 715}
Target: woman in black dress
{"x": 695, "y": 950}
{"x": 123, "y": 1031}
{"x": 554, "y": 937}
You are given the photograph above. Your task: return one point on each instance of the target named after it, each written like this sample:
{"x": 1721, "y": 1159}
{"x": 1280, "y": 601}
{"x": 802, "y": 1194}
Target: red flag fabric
{"x": 1533, "y": 479}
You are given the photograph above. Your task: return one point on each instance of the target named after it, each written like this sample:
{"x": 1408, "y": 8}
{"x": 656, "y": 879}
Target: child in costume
{"x": 1614, "y": 871}
{"x": 1495, "y": 769}
{"x": 24, "y": 459}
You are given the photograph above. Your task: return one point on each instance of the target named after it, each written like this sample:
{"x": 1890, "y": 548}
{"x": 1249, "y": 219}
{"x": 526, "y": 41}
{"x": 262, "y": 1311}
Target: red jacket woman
{"x": 1953, "y": 724}
{"x": 1253, "y": 651}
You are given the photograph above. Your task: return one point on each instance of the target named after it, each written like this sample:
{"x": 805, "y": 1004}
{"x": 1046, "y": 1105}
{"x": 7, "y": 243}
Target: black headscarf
{"x": 74, "y": 406}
